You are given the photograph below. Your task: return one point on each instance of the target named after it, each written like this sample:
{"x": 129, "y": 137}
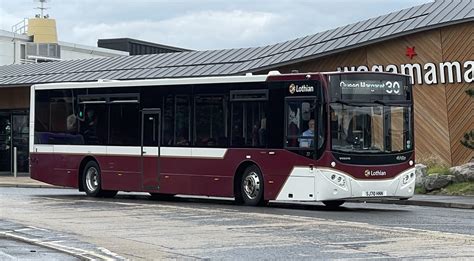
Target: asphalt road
{"x": 17, "y": 250}
{"x": 132, "y": 226}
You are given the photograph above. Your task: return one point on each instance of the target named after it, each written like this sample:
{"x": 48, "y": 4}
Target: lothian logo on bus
{"x": 372, "y": 173}
{"x": 303, "y": 88}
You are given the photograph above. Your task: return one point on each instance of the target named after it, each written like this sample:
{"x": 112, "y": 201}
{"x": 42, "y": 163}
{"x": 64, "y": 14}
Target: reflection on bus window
{"x": 373, "y": 128}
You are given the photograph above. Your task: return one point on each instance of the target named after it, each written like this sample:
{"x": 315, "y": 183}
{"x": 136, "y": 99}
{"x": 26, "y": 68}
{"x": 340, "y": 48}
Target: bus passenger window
{"x": 95, "y": 125}
{"x": 176, "y": 120}
{"x": 124, "y": 124}
{"x": 249, "y": 124}
{"x": 168, "y": 121}
{"x": 182, "y": 132}
{"x": 210, "y": 126}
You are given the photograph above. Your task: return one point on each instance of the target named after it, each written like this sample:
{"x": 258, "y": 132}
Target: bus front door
{"x": 150, "y": 149}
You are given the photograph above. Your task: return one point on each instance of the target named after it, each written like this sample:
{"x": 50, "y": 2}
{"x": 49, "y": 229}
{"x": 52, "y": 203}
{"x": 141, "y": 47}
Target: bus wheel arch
{"x": 249, "y": 184}
{"x": 84, "y": 161}
{"x": 90, "y": 179}
{"x": 333, "y": 203}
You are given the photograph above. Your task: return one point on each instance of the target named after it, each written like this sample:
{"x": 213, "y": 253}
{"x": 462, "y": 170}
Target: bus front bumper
{"x": 324, "y": 184}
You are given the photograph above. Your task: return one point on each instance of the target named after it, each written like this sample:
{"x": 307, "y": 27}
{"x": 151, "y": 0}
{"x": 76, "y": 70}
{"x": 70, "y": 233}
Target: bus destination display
{"x": 370, "y": 87}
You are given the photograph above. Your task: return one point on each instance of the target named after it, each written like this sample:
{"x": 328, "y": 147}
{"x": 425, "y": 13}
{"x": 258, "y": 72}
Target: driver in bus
{"x": 307, "y": 140}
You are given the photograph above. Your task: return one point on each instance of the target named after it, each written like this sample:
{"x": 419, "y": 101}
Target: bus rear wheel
{"x": 91, "y": 182}
{"x": 333, "y": 203}
{"x": 251, "y": 187}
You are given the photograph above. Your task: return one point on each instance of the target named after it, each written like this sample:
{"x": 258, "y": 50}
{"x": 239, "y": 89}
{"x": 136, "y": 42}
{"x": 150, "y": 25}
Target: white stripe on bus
{"x": 215, "y": 153}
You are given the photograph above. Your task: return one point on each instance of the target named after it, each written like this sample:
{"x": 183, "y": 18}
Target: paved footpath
{"x": 463, "y": 202}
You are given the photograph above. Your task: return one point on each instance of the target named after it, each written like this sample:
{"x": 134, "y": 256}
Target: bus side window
{"x": 182, "y": 118}
{"x": 293, "y": 124}
{"x": 210, "y": 126}
{"x": 176, "y": 120}
{"x": 249, "y": 124}
{"x": 168, "y": 121}
{"x": 124, "y": 122}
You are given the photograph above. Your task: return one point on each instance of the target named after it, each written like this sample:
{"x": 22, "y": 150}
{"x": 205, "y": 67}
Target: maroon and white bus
{"x": 293, "y": 137}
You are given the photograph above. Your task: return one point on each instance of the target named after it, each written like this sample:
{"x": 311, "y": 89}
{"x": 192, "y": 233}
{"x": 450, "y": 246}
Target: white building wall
{"x": 6, "y": 51}
{"x": 10, "y": 49}
{"x": 71, "y": 51}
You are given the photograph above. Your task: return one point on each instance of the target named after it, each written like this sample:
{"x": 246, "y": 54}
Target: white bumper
{"x": 305, "y": 184}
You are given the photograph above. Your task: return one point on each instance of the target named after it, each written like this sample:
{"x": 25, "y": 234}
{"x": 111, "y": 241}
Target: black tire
{"x": 91, "y": 181}
{"x": 333, "y": 203}
{"x": 251, "y": 187}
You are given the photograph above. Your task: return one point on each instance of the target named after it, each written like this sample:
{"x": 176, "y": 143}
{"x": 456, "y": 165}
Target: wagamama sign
{"x": 429, "y": 73}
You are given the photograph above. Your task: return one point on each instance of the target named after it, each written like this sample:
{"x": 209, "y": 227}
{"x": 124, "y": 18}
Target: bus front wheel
{"x": 251, "y": 186}
{"x": 91, "y": 181}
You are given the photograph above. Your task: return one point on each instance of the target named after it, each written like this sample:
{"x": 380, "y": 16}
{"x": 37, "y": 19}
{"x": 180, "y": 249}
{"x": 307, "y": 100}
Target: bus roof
{"x": 273, "y": 75}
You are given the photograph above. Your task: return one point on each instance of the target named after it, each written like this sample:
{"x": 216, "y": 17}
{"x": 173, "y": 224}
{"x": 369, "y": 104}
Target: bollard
{"x": 14, "y": 162}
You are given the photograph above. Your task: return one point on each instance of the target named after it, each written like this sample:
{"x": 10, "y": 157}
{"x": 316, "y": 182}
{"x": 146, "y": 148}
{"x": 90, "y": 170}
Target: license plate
{"x": 374, "y": 193}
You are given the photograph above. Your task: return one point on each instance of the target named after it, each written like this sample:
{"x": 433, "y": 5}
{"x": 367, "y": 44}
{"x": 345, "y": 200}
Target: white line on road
{"x": 74, "y": 251}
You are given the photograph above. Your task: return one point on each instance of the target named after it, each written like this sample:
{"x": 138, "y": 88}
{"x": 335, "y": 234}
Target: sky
{"x": 198, "y": 24}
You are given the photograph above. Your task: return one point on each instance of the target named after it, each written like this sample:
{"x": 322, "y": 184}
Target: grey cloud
{"x": 230, "y": 24}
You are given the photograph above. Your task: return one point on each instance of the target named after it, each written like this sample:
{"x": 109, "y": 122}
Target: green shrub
{"x": 462, "y": 188}
{"x": 420, "y": 190}
{"x": 440, "y": 169}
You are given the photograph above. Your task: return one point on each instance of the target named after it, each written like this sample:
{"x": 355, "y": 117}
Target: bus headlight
{"x": 407, "y": 177}
{"x": 339, "y": 180}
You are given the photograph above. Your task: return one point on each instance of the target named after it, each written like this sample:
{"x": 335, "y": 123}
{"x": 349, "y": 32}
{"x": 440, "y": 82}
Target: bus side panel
{"x": 46, "y": 168}
{"x": 215, "y": 177}
{"x": 209, "y": 177}
{"x": 120, "y": 172}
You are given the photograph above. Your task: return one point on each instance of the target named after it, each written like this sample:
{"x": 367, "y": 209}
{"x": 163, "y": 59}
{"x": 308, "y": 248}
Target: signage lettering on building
{"x": 429, "y": 73}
